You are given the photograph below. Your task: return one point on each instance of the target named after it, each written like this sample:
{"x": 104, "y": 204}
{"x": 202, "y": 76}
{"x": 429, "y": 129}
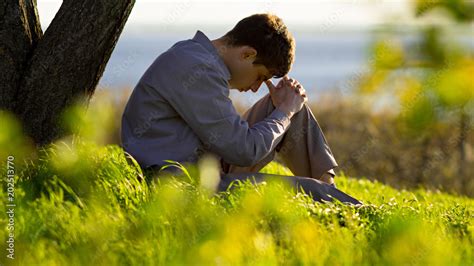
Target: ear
{"x": 248, "y": 53}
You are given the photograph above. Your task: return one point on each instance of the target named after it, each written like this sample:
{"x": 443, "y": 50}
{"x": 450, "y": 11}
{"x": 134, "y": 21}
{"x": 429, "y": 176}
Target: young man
{"x": 180, "y": 108}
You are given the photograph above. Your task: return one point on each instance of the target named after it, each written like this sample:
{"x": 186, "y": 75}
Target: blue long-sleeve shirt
{"x": 181, "y": 108}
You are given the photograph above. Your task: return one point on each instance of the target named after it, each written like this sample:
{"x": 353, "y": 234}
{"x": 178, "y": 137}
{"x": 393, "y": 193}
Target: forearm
{"x": 247, "y": 147}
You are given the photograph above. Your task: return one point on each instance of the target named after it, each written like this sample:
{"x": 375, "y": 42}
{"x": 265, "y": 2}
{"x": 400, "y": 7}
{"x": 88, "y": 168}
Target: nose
{"x": 255, "y": 86}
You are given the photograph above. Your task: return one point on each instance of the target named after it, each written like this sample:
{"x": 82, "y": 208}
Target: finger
{"x": 288, "y": 82}
{"x": 270, "y": 85}
{"x": 298, "y": 88}
{"x": 280, "y": 83}
{"x": 283, "y": 83}
{"x": 292, "y": 83}
{"x": 302, "y": 90}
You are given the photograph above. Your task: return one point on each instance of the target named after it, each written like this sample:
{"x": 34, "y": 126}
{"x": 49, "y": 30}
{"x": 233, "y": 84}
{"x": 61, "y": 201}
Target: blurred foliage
{"x": 460, "y": 10}
{"x": 431, "y": 82}
{"x": 80, "y": 202}
{"x": 12, "y": 141}
{"x": 93, "y": 123}
{"x": 455, "y": 86}
{"x": 383, "y": 146}
{"x": 116, "y": 218}
{"x": 433, "y": 76}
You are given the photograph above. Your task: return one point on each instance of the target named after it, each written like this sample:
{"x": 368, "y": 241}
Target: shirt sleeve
{"x": 201, "y": 99}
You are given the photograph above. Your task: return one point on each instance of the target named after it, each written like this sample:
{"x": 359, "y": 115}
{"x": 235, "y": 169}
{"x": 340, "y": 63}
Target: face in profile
{"x": 245, "y": 75}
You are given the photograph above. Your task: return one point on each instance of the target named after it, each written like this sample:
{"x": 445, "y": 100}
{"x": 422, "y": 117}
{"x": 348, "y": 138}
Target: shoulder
{"x": 185, "y": 60}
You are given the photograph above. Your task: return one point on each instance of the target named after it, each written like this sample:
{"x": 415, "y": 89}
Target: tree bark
{"x": 62, "y": 67}
{"x": 19, "y": 33}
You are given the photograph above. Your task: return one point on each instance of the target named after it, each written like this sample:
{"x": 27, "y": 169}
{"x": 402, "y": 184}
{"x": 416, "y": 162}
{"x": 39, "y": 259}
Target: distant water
{"x": 323, "y": 62}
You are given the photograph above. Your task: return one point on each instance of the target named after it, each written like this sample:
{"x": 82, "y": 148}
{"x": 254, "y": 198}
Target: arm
{"x": 203, "y": 103}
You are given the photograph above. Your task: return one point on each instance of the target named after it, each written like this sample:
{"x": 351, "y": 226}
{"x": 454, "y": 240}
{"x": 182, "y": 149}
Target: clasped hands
{"x": 288, "y": 95}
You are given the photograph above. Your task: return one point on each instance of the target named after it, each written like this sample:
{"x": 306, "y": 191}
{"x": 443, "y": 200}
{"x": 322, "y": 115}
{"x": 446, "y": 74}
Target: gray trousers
{"x": 303, "y": 149}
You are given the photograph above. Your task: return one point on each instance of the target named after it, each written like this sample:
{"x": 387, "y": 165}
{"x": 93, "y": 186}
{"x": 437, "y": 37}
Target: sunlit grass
{"x": 80, "y": 202}
{"x": 104, "y": 214}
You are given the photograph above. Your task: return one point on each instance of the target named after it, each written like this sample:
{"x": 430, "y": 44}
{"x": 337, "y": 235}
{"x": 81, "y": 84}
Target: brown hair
{"x": 267, "y": 34}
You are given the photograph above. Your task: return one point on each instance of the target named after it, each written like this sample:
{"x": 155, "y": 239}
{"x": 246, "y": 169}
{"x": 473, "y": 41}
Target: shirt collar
{"x": 202, "y": 39}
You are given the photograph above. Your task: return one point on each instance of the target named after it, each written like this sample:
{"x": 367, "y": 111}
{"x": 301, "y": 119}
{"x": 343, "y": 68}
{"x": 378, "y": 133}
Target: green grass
{"x": 78, "y": 203}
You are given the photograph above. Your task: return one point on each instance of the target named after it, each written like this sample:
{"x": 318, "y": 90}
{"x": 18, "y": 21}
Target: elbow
{"x": 248, "y": 158}
{"x": 253, "y": 161}
{"x": 248, "y": 155}
{"x": 243, "y": 161}
{"x": 250, "y": 162}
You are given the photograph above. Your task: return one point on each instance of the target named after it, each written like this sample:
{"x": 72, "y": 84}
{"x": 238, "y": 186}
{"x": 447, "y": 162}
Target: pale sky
{"x": 225, "y": 13}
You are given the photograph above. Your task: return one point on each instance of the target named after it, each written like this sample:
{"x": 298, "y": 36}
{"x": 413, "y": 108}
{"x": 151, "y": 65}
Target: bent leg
{"x": 304, "y": 148}
{"x": 318, "y": 190}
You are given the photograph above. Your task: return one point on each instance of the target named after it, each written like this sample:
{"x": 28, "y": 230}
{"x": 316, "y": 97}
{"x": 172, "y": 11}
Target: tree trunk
{"x": 19, "y": 33}
{"x": 46, "y": 74}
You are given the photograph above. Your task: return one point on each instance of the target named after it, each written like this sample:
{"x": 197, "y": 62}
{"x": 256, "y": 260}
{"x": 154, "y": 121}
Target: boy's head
{"x": 259, "y": 47}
